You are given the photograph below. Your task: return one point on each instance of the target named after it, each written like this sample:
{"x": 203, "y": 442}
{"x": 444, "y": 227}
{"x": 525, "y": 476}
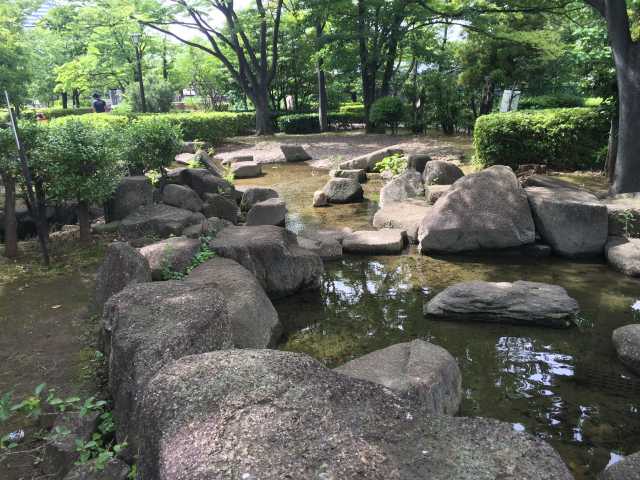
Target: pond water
{"x": 565, "y": 386}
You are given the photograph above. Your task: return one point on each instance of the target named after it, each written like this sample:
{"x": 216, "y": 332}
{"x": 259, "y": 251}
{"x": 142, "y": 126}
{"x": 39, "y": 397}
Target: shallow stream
{"x": 565, "y": 386}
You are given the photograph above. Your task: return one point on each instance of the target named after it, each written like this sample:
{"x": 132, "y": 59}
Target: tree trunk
{"x": 323, "y": 102}
{"x": 76, "y": 98}
{"x": 488, "y": 92}
{"x": 65, "y": 100}
{"x": 612, "y": 151}
{"x": 264, "y": 125}
{"x": 10, "y": 222}
{"x": 626, "y": 178}
{"x": 83, "y": 222}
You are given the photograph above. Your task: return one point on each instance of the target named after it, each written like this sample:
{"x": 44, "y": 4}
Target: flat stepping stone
{"x": 526, "y": 303}
{"x": 626, "y": 341}
{"x": 623, "y": 254}
{"x": 294, "y": 153}
{"x": 185, "y": 158}
{"x": 385, "y": 241}
{"x": 246, "y": 169}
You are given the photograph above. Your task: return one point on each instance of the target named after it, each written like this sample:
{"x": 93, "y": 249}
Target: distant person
{"x": 99, "y": 105}
{"x": 41, "y": 117}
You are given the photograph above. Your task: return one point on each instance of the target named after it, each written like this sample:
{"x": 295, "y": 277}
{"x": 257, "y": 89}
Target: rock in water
{"x": 268, "y": 212}
{"x": 328, "y": 249}
{"x": 158, "y": 220}
{"x": 246, "y": 169}
{"x": 254, "y": 321}
{"x": 385, "y": 241}
{"x": 149, "y": 325}
{"x": 122, "y": 266}
{"x": 418, "y": 370}
{"x": 573, "y": 222}
{"x": 131, "y": 194}
{"x": 294, "y": 153}
{"x": 320, "y": 199}
{"x": 253, "y": 195}
{"x": 404, "y": 186}
{"x": 269, "y": 414}
{"x": 626, "y": 340}
{"x": 440, "y": 172}
{"x": 624, "y": 255}
{"x": 343, "y": 190}
{"x": 407, "y": 216}
{"x": 626, "y": 469}
{"x": 273, "y": 255}
{"x": 360, "y": 175}
{"x": 369, "y": 160}
{"x": 171, "y": 255}
{"x": 527, "y": 303}
{"x": 484, "y": 210}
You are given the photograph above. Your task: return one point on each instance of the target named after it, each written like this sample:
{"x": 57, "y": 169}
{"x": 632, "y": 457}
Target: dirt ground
{"x": 329, "y": 149}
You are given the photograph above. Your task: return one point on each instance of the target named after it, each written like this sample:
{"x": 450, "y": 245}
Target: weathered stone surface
{"x": 131, "y": 194}
{"x": 181, "y": 197}
{"x": 298, "y": 419}
{"x": 626, "y": 341}
{"x": 122, "y": 265}
{"x": 202, "y": 181}
{"x": 360, "y": 175}
{"x": 328, "y": 249}
{"x": 624, "y": 215}
{"x": 193, "y": 147}
{"x": 320, "y": 199}
{"x": 386, "y": 241}
{"x": 400, "y": 188}
{"x": 547, "y": 182}
{"x": 253, "y": 195}
{"x": 241, "y": 158}
{"x": 209, "y": 228}
{"x": 174, "y": 254}
{"x": 368, "y": 161}
{"x": 220, "y": 206}
{"x": 484, "y": 210}
{"x": 343, "y": 190}
{"x": 440, "y": 172}
{"x": 418, "y": 370}
{"x": 624, "y": 255}
{"x": 268, "y": 212}
{"x": 573, "y": 222}
{"x": 149, "y": 325}
{"x": 435, "y": 192}
{"x": 294, "y": 153}
{"x": 254, "y": 321}
{"x": 528, "y": 303}
{"x": 406, "y": 215}
{"x": 273, "y": 255}
{"x": 246, "y": 169}
{"x": 61, "y": 450}
{"x": 113, "y": 469}
{"x": 626, "y": 469}
{"x": 213, "y": 165}
{"x": 417, "y": 161}
{"x": 158, "y": 220}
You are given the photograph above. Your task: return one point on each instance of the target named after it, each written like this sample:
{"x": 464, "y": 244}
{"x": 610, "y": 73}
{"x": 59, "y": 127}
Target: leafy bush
{"x": 52, "y": 113}
{"x": 158, "y": 94}
{"x": 550, "y": 101}
{"x": 151, "y": 143}
{"x": 396, "y": 163}
{"x": 212, "y": 127}
{"x": 300, "y": 123}
{"x": 387, "y": 111}
{"x": 564, "y": 139}
{"x": 352, "y": 108}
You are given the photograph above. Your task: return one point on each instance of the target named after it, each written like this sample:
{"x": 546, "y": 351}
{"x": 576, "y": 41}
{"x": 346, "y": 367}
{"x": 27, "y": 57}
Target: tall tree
{"x": 249, "y": 54}
{"x": 626, "y": 55}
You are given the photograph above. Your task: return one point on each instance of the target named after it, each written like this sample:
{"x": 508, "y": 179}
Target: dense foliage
{"x": 542, "y": 102}
{"x": 388, "y": 111}
{"x": 151, "y": 143}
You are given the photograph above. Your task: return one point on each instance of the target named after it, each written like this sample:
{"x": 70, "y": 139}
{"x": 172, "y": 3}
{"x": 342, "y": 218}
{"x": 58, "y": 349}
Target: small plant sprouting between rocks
{"x": 205, "y": 253}
{"x": 627, "y": 218}
{"x": 154, "y": 177}
{"x": 396, "y": 163}
{"x": 635, "y": 308}
{"x": 36, "y": 406}
{"x": 228, "y": 174}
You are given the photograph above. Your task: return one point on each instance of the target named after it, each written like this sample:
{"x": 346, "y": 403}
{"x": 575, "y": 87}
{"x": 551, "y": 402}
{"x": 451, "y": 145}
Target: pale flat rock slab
{"x": 369, "y": 160}
{"x": 388, "y": 241}
{"x": 294, "y": 153}
{"x": 246, "y": 169}
{"x": 406, "y": 215}
{"x": 418, "y": 370}
{"x": 526, "y": 303}
{"x": 624, "y": 255}
{"x": 626, "y": 341}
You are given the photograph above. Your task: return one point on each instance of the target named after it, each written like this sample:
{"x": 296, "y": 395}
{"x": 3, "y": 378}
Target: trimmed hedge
{"x": 544, "y": 102}
{"x": 52, "y": 113}
{"x": 299, "y": 123}
{"x": 563, "y": 139}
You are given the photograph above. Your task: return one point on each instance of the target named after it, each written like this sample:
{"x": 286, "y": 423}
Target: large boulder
{"x": 149, "y": 325}
{"x": 573, "y": 222}
{"x": 294, "y": 153}
{"x": 273, "y": 255}
{"x": 131, "y": 194}
{"x": 433, "y": 193}
{"x": 253, "y": 195}
{"x": 624, "y": 214}
{"x": 174, "y": 254}
{"x": 268, "y": 212}
{"x": 343, "y": 190}
{"x": 267, "y": 414}
{"x": 484, "y": 210}
{"x": 254, "y": 321}
{"x": 328, "y": 249}
{"x": 112, "y": 469}
{"x": 527, "y": 303}
{"x": 623, "y": 254}
{"x": 201, "y": 180}
{"x": 246, "y": 169}
{"x": 418, "y": 161}
{"x": 626, "y": 469}
{"x": 209, "y": 228}
{"x": 626, "y": 341}
{"x": 369, "y": 160}
{"x": 406, "y": 215}
{"x": 385, "y": 241}
{"x": 158, "y": 220}
{"x": 220, "y": 206}
{"x": 181, "y": 197}
{"x": 359, "y": 174}
{"x": 440, "y": 172}
{"x": 400, "y": 188}
{"x": 418, "y": 370}
{"x": 122, "y": 266}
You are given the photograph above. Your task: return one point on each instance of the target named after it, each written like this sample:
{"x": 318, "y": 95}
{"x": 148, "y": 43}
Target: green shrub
{"x": 300, "y": 123}
{"x": 151, "y": 143}
{"x": 212, "y": 127}
{"x": 52, "y": 113}
{"x": 396, "y": 163}
{"x": 354, "y": 108}
{"x": 159, "y": 95}
{"x": 543, "y": 102}
{"x": 387, "y": 111}
{"x": 563, "y": 139}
